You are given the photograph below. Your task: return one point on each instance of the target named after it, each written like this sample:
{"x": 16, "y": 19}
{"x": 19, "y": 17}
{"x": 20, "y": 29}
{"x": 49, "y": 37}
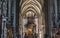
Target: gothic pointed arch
{"x": 30, "y": 8}
{"x": 34, "y": 4}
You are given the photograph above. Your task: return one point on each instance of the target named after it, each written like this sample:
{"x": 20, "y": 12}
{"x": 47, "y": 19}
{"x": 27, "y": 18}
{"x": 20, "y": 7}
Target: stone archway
{"x": 35, "y": 7}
